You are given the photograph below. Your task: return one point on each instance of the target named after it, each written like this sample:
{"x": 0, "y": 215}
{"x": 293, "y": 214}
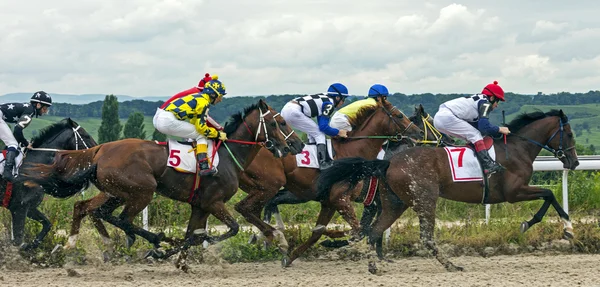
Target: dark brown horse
{"x": 418, "y": 176}
{"x": 372, "y": 126}
{"x": 132, "y": 170}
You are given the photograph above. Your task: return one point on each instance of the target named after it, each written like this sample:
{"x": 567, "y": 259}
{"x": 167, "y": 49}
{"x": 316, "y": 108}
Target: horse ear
{"x": 262, "y": 104}
{"x": 70, "y": 122}
{"x": 421, "y": 108}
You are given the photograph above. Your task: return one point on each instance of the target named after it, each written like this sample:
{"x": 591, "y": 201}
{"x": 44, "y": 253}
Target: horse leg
{"x": 526, "y": 193}
{"x": 195, "y": 234}
{"x": 346, "y": 209}
{"x": 391, "y": 209}
{"x": 80, "y": 210}
{"x": 38, "y": 216}
{"x": 18, "y": 213}
{"x": 218, "y": 210}
{"x": 283, "y": 196}
{"x": 325, "y": 216}
{"x": 425, "y": 209}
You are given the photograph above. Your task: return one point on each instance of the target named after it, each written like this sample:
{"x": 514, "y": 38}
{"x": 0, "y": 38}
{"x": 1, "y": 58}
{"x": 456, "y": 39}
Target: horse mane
{"x": 524, "y": 119}
{"x": 50, "y": 131}
{"x": 237, "y": 119}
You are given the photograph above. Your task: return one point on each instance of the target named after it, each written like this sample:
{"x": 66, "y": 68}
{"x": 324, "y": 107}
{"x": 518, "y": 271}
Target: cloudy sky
{"x": 159, "y": 47}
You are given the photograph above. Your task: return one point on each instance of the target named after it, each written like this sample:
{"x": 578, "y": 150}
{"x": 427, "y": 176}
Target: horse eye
{"x": 283, "y": 123}
{"x": 400, "y": 116}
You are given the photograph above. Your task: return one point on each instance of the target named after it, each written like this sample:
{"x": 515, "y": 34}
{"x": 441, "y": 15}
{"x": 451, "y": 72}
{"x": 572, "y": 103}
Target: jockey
{"x": 186, "y": 117}
{"x": 300, "y": 111}
{"x": 468, "y": 117}
{"x": 377, "y": 94}
{"x": 21, "y": 114}
{"x": 195, "y": 90}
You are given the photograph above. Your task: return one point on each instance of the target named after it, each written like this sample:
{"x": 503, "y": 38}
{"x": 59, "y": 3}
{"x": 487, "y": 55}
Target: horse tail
{"x": 70, "y": 173}
{"x": 350, "y": 170}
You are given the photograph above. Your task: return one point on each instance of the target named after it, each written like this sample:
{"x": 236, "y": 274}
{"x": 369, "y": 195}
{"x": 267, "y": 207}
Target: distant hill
{"x": 75, "y": 99}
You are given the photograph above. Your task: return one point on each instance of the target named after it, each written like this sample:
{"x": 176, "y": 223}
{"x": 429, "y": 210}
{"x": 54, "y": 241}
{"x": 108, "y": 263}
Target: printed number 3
{"x": 328, "y": 109}
{"x": 174, "y": 156}
{"x": 306, "y": 159}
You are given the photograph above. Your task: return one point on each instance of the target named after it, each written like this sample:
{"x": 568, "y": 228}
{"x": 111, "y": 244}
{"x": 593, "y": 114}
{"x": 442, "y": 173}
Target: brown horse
{"x": 372, "y": 126}
{"x": 132, "y": 170}
{"x": 418, "y": 176}
{"x": 104, "y": 203}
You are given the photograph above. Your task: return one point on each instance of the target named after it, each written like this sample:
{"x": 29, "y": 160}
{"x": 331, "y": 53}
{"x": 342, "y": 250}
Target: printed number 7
{"x": 175, "y": 155}
{"x": 460, "y": 155}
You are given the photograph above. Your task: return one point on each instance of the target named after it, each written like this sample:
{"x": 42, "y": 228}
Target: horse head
{"x": 258, "y": 124}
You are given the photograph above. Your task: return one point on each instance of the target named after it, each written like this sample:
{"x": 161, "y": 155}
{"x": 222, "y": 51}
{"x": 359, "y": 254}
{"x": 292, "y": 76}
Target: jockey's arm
{"x": 201, "y": 126}
{"x": 484, "y": 125}
{"x": 22, "y": 123}
{"x": 214, "y": 123}
{"x": 323, "y": 120}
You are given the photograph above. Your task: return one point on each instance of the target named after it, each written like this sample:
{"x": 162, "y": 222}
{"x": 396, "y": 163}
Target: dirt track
{"x": 516, "y": 270}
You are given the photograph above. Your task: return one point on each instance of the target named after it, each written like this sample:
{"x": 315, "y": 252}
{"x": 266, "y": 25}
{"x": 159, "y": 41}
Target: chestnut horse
{"x": 132, "y": 170}
{"x": 431, "y": 137}
{"x": 418, "y": 176}
{"x": 105, "y": 204}
{"x": 372, "y": 126}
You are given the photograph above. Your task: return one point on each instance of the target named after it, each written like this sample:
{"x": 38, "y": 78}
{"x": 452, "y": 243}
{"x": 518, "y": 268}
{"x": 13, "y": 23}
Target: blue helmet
{"x": 214, "y": 87}
{"x": 337, "y": 89}
{"x": 378, "y": 90}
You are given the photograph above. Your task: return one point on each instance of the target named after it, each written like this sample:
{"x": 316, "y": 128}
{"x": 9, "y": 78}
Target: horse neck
{"x": 539, "y": 131}
{"x": 244, "y": 153}
{"x": 367, "y": 148}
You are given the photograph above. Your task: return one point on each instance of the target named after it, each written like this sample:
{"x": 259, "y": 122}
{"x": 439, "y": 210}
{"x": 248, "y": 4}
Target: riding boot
{"x": 9, "y": 165}
{"x": 324, "y": 160}
{"x": 203, "y": 162}
{"x": 489, "y": 165}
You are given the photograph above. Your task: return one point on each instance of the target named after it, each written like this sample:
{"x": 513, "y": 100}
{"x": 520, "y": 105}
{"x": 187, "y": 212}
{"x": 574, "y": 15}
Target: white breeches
{"x": 446, "y": 122}
{"x": 292, "y": 113}
{"x": 166, "y": 123}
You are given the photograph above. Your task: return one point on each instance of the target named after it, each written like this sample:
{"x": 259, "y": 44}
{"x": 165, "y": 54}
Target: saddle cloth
{"x": 18, "y": 161}
{"x": 464, "y": 164}
{"x": 309, "y": 158}
{"x": 182, "y": 156}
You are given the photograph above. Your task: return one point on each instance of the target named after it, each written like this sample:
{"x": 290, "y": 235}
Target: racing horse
{"x": 407, "y": 184}
{"x": 372, "y": 126}
{"x": 24, "y": 201}
{"x": 131, "y": 170}
{"x": 431, "y": 136}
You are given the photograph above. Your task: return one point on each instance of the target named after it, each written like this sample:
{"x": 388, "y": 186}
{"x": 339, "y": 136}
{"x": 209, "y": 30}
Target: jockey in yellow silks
{"x": 186, "y": 117}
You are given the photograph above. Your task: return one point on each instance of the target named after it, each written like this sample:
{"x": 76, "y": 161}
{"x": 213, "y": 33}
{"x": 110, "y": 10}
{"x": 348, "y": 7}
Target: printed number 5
{"x": 460, "y": 155}
{"x": 306, "y": 159}
{"x": 176, "y": 160}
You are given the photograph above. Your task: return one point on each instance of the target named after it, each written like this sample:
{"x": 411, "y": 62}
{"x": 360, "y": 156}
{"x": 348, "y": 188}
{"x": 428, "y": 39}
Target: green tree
{"x": 110, "y": 127}
{"x": 158, "y": 136}
{"x": 134, "y": 127}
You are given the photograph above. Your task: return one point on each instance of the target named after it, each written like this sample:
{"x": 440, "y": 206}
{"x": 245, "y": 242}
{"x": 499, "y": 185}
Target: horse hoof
{"x": 524, "y": 226}
{"x": 334, "y": 243}
{"x": 568, "y": 234}
{"x": 286, "y": 262}
{"x": 372, "y": 267}
{"x": 129, "y": 241}
{"x": 253, "y": 238}
{"x": 453, "y": 268}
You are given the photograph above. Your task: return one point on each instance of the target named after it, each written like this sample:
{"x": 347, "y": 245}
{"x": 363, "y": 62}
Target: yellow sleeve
{"x": 201, "y": 127}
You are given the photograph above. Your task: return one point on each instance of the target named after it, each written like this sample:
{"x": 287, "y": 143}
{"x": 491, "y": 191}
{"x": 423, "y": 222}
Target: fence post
{"x": 487, "y": 213}
{"x": 565, "y": 190}
{"x": 145, "y": 218}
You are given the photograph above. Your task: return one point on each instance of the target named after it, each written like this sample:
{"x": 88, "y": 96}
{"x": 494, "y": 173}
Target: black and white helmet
{"x": 42, "y": 98}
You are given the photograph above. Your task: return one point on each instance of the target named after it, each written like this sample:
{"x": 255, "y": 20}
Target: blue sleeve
{"x": 325, "y": 128}
{"x": 485, "y": 127}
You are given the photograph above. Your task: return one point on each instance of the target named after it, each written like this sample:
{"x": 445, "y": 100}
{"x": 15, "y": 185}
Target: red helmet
{"x": 203, "y": 82}
{"x": 494, "y": 90}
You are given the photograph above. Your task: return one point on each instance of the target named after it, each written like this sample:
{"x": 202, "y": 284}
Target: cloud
{"x": 158, "y": 47}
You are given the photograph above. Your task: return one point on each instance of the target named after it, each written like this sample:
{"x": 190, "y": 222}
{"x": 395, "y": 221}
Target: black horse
{"x": 24, "y": 201}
